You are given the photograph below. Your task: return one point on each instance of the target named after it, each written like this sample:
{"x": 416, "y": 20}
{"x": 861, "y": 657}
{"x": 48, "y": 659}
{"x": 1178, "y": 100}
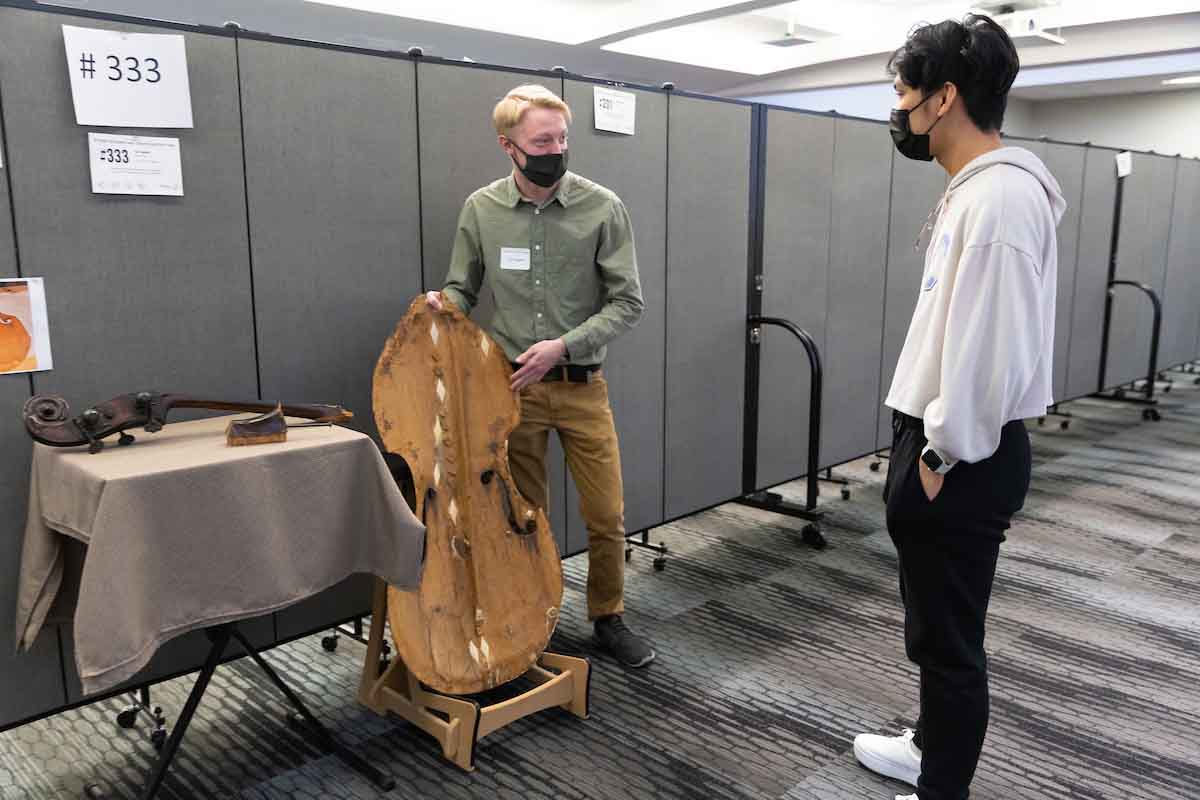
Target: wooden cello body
{"x": 490, "y": 592}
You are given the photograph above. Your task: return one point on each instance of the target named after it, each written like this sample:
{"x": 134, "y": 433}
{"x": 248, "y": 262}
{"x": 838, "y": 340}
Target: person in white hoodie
{"x": 975, "y": 364}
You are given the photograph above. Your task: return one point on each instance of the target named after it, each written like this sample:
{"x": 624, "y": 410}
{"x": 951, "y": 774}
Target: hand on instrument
{"x": 537, "y": 361}
{"x": 435, "y": 300}
{"x": 931, "y": 481}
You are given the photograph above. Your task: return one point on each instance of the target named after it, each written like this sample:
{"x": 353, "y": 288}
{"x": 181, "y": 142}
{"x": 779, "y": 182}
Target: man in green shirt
{"x": 556, "y": 250}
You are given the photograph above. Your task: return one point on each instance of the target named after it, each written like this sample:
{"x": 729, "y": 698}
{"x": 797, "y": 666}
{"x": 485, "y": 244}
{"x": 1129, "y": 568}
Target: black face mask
{"x": 911, "y": 145}
{"x": 544, "y": 170}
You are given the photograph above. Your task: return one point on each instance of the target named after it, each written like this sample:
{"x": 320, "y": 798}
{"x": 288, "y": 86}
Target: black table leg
{"x": 309, "y": 725}
{"x": 306, "y": 723}
{"x": 219, "y": 636}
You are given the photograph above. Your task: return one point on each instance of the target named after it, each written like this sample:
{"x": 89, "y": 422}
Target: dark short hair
{"x": 976, "y": 55}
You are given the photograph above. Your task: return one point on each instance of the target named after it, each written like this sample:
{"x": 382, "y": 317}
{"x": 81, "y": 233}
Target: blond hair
{"x": 509, "y": 112}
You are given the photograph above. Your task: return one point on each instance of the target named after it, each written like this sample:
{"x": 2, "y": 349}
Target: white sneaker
{"x": 893, "y": 756}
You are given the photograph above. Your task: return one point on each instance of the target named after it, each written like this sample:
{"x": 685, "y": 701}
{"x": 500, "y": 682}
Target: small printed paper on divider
{"x": 615, "y": 110}
{"x": 1124, "y": 164}
{"x": 145, "y": 165}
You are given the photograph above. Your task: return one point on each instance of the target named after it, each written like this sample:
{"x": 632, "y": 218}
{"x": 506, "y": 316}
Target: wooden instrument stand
{"x": 458, "y": 723}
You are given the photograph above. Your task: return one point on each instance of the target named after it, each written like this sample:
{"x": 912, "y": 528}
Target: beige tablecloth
{"x": 184, "y": 532}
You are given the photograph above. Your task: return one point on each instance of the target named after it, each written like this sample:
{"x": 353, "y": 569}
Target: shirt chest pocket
{"x": 571, "y": 266}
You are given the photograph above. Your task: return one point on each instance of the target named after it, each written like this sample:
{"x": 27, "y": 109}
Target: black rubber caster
{"x": 628, "y": 554}
{"x": 128, "y": 717}
{"x": 1066, "y": 423}
{"x": 329, "y": 643}
{"x": 812, "y": 536}
{"x": 1119, "y": 394}
{"x": 845, "y": 494}
{"x": 158, "y": 738}
{"x": 873, "y": 466}
{"x": 1151, "y": 414}
{"x": 1041, "y": 421}
{"x": 660, "y": 563}
{"x": 1167, "y": 389}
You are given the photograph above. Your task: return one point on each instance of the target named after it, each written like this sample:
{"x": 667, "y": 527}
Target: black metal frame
{"x": 301, "y": 718}
{"x": 772, "y": 501}
{"x": 1119, "y": 394}
{"x": 1151, "y": 379}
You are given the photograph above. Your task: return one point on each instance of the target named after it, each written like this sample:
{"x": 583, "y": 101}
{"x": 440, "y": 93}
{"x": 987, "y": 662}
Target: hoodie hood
{"x": 1017, "y": 157}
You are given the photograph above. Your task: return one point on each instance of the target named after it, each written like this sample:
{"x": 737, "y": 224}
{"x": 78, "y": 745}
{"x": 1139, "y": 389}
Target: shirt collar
{"x": 512, "y": 195}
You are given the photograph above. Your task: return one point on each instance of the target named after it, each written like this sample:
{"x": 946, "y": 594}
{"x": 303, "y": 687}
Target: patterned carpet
{"x": 772, "y": 656}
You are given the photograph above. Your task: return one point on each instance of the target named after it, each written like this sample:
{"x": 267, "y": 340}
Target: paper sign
{"x": 1124, "y": 164}
{"x": 24, "y": 329}
{"x": 148, "y": 165}
{"x": 128, "y": 80}
{"x": 615, "y": 110}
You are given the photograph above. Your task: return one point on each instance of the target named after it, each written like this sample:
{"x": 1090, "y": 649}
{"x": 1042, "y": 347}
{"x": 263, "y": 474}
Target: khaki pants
{"x": 581, "y": 415}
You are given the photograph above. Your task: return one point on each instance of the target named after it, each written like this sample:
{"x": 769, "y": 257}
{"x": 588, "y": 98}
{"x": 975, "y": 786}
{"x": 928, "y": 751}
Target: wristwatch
{"x": 935, "y": 462}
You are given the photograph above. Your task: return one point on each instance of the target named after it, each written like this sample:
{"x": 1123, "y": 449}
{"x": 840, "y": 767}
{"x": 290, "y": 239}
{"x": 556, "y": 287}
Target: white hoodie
{"x": 979, "y": 348}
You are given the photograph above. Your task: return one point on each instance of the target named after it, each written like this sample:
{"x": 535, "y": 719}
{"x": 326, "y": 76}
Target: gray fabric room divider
{"x": 1181, "y": 290}
{"x": 635, "y": 167}
{"x": 334, "y": 235}
{"x": 143, "y": 292}
{"x": 797, "y": 223}
{"x": 1091, "y": 270}
{"x": 1066, "y": 163}
{"x": 824, "y": 253}
{"x": 37, "y": 673}
{"x": 1142, "y": 256}
{"x": 707, "y": 259}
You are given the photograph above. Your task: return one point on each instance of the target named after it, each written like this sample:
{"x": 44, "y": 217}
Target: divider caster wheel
{"x": 330, "y": 643}
{"x": 811, "y": 535}
{"x": 128, "y": 717}
{"x": 873, "y": 466}
{"x": 1151, "y": 414}
{"x": 158, "y": 736}
{"x": 1041, "y": 421}
{"x": 1066, "y": 423}
{"x": 1119, "y": 394}
{"x": 660, "y": 563}
{"x": 845, "y": 494}
{"x": 628, "y": 554}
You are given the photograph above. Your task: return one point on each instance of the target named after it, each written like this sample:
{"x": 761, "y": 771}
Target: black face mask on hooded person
{"x": 544, "y": 170}
{"x": 911, "y": 145}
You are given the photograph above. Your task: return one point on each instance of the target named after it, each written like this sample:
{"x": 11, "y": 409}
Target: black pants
{"x": 948, "y": 550}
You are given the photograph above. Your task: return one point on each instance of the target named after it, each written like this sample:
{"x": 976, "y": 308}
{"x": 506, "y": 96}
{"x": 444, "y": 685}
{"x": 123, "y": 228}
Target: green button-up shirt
{"x": 565, "y": 269}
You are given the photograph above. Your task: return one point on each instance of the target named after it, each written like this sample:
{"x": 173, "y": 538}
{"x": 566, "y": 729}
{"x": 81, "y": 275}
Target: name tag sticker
{"x": 514, "y": 258}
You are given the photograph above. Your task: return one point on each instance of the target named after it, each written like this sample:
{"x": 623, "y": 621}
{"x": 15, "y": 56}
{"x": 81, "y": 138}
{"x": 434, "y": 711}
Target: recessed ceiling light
{"x": 1182, "y": 81}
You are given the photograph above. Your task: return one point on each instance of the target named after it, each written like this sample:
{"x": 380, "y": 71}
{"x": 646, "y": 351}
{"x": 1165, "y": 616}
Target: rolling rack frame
{"x": 1120, "y": 394}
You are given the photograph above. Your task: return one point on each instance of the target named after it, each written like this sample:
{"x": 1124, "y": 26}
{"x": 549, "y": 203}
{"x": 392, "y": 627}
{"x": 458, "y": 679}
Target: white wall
{"x": 1165, "y": 122}
{"x": 1019, "y": 117}
{"x": 875, "y": 101}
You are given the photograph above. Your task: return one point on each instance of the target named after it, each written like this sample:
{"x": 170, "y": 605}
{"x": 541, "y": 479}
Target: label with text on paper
{"x": 128, "y": 80}
{"x": 615, "y": 111}
{"x": 148, "y": 165}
